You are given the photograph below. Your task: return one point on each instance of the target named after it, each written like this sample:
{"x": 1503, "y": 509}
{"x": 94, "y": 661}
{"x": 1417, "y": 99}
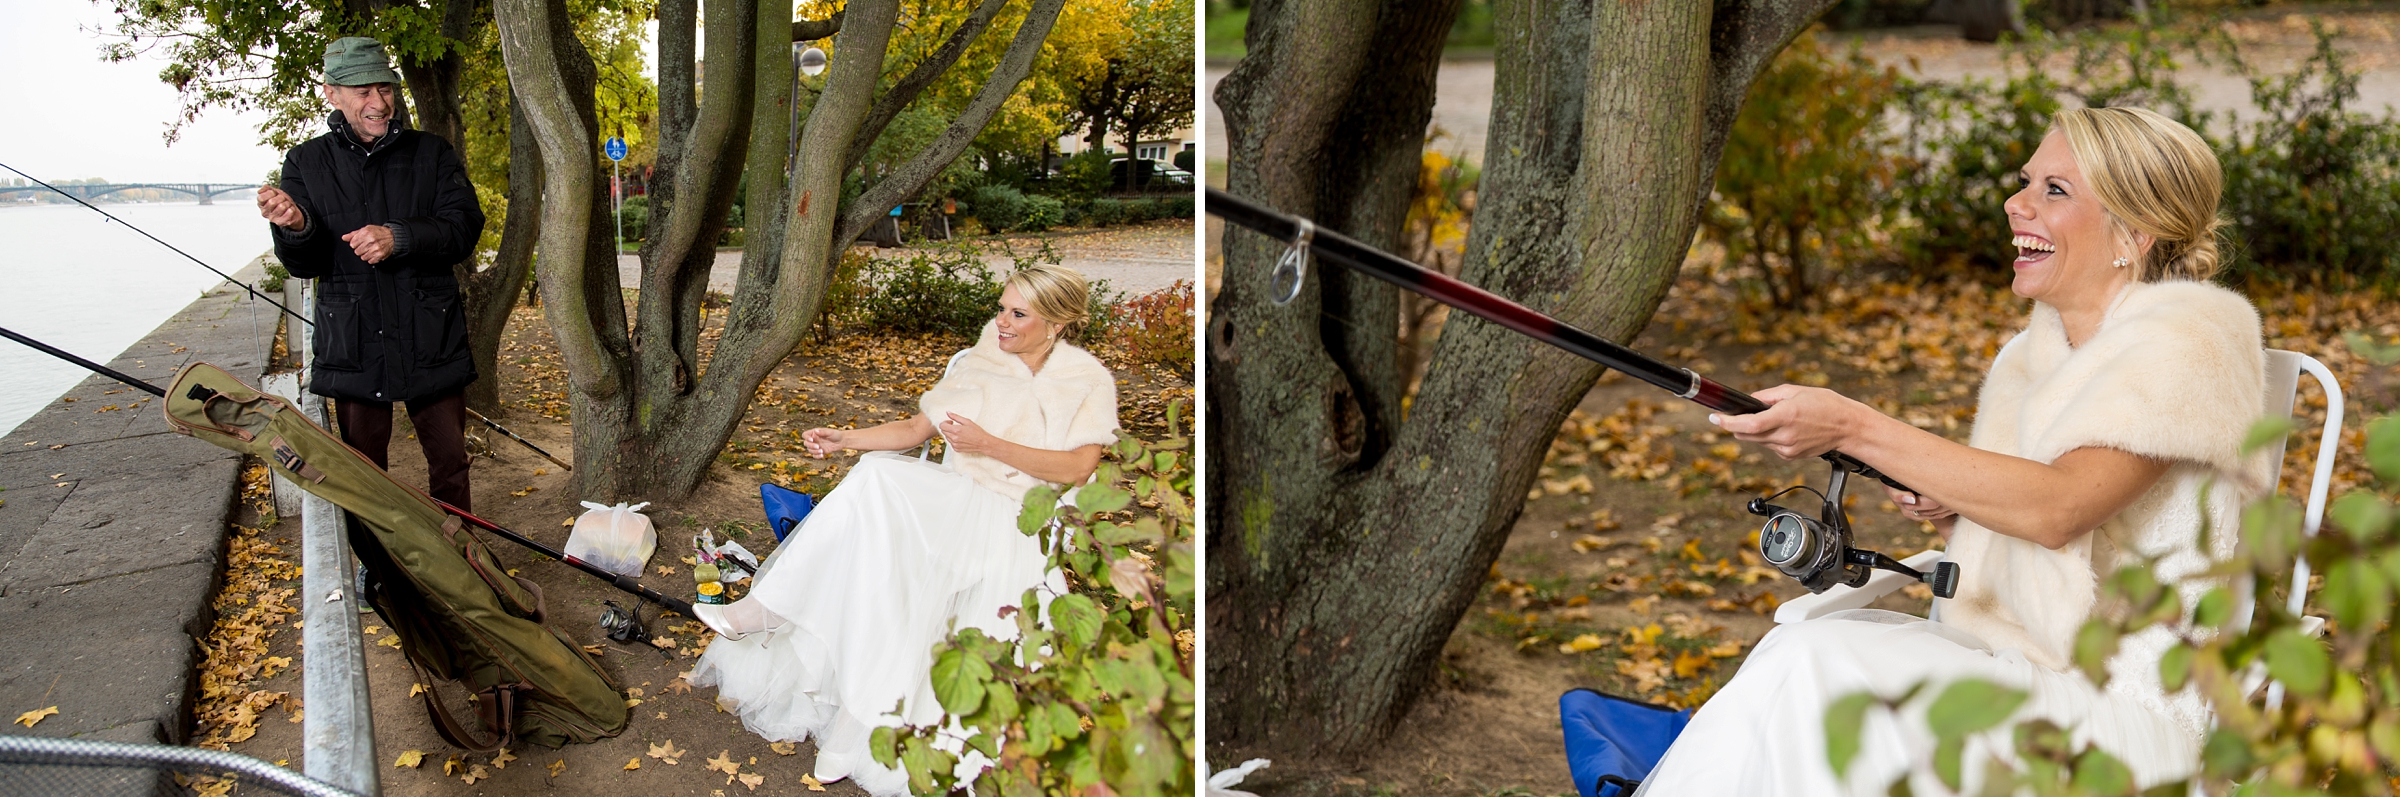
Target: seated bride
{"x": 840, "y": 625}
{"x": 2098, "y": 427}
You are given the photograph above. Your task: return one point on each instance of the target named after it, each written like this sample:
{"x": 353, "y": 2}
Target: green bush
{"x": 1179, "y": 206}
{"x": 1041, "y": 213}
{"x": 942, "y": 289}
{"x": 999, "y": 207}
{"x": 2310, "y": 185}
{"x": 1108, "y": 212}
{"x": 634, "y": 214}
{"x": 1804, "y": 173}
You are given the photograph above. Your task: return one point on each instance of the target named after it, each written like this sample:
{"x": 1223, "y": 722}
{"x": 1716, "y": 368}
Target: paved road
{"x": 1134, "y": 260}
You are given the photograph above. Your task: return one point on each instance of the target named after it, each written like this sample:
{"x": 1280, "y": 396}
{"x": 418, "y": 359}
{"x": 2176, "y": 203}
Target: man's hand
{"x": 373, "y": 242}
{"x": 278, "y": 209}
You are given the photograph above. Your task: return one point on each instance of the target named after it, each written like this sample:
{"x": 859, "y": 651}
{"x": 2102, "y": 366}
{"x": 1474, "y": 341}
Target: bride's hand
{"x": 1918, "y": 507}
{"x": 821, "y": 441}
{"x": 1799, "y": 422}
{"x": 965, "y": 436}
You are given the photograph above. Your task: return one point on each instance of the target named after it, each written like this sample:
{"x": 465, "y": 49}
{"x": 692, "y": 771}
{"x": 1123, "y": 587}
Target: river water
{"x": 75, "y": 280}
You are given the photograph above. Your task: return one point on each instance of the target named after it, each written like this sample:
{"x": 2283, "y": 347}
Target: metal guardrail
{"x": 52, "y": 766}
{"x": 337, "y": 728}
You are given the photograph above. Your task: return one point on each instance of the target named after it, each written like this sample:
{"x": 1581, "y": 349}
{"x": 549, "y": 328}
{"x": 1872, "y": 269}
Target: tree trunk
{"x": 433, "y": 83}
{"x": 1346, "y": 543}
{"x": 650, "y": 417}
{"x": 490, "y": 295}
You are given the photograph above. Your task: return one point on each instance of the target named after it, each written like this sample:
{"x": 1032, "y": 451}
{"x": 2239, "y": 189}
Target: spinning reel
{"x": 1817, "y": 551}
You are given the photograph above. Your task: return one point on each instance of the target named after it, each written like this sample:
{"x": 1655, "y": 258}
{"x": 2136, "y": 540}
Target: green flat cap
{"x": 358, "y": 61}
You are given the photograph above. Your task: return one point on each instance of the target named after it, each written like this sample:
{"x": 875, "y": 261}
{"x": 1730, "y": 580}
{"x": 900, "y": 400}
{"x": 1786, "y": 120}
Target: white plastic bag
{"x": 618, "y": 539}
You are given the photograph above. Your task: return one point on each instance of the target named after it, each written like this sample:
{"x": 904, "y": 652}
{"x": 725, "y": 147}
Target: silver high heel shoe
{"x": 713, "y": 616}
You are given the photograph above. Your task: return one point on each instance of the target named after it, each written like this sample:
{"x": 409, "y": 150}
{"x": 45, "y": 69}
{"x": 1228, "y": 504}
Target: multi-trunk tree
{"x": 1348, "y": 532}
{"x": 651, "y": 414}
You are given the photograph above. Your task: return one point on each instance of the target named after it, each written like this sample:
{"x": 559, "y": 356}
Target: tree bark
{"x": 1346, "y": 539}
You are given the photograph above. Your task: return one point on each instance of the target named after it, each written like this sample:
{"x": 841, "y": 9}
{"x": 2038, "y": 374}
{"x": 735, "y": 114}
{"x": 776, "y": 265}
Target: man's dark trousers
{"x": 441, "y": 423}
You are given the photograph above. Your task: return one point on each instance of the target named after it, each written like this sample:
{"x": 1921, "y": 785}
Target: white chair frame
{"x": 2282, "y": 389}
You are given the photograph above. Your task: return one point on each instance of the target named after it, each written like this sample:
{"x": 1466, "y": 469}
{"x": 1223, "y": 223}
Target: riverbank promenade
{"x": 112, "y": 535}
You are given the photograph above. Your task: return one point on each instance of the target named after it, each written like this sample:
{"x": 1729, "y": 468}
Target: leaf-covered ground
{"x": 1632, "y": 569}
{"x": 678, "y": 743}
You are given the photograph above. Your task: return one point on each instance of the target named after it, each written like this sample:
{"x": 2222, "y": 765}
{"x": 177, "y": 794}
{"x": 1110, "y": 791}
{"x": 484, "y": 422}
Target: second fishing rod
{"x": 1816, "y": 551}
{"x": 254, "y": 293}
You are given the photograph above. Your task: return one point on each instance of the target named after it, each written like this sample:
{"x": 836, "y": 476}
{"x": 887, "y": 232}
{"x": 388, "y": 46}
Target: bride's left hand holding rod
{"x": 2047, "y": 503}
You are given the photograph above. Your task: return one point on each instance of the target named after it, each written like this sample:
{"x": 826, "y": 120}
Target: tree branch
{"x": 913, "y": 175}
{"x": 809, "y": 30}
{"x": 889, "y": 106}
{"x": 530, "y": 31}
{"x": 707, "y": 172}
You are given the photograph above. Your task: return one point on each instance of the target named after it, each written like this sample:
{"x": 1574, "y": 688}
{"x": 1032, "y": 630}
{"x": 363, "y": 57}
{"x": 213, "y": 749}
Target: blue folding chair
{"x": 1612, "y": 742}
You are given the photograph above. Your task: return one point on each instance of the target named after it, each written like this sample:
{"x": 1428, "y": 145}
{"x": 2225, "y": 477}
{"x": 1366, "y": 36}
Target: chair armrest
{"x": 1844, "y": 598}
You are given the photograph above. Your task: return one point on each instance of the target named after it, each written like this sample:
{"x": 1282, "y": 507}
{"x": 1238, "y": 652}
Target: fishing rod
{"x": 1816, "y": 551}
{"x": 146, "y": 234}
{"x": 87, "y": 364}
{"x": 254, "y": 293}
{"x": 622, "y": 582}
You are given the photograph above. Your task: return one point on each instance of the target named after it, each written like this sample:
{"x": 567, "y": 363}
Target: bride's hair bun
{"x": 2154, "y": 176}
{"x": 1057, "y": 293}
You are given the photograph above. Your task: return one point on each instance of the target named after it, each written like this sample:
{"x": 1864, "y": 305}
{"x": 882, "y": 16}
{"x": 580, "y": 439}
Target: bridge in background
{"x": 207, "y": 192}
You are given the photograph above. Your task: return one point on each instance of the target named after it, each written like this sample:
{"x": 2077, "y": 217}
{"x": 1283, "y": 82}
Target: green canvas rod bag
{"x": 459, "y": 615}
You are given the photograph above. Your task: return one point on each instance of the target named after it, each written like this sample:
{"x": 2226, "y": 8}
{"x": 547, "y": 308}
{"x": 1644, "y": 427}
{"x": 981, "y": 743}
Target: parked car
{"x": 1148, "y": 172}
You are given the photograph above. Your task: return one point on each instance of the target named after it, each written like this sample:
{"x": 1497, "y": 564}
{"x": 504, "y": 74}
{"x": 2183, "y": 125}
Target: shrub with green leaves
{"x": 634, "y": 214}
{"x": 1041, "y": 213}
{"x": 2336, "y": 728}
{"x": 2311, "y": 185}
{"x": 939, "y": 289}
{"x": 999, "y": 207}
{"x": 1095, "y": 694}
{"x": 1804, "y": 174}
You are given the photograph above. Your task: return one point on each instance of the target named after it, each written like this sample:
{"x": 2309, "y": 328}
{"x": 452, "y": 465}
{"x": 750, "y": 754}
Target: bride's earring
{"x": 2123, "y": 262}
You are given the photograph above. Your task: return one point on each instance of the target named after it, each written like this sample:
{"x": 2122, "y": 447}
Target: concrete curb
{"x": 112, "y": 537}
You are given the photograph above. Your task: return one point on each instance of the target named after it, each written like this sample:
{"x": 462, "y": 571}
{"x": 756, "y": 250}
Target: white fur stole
{"x": 2176, "y": 372}
{"x": 1070, "y": 404}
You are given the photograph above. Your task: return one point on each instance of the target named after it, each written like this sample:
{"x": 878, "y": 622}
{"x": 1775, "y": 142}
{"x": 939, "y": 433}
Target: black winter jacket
{"x": 392, "y": 331}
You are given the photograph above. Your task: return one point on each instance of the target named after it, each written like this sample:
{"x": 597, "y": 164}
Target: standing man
{"x": 377, "y": 215}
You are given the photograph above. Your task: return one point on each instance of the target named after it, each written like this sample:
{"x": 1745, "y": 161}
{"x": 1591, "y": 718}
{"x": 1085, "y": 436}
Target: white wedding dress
{"x": 1770, "y": 718}
{"x": 865, "y": 587}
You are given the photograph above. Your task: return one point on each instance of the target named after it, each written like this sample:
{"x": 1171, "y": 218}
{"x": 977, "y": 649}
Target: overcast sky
{"x": 67, "y": 114}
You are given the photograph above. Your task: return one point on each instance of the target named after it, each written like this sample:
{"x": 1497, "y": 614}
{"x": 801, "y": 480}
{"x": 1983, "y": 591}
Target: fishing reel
{"x": 1817, "y": 551}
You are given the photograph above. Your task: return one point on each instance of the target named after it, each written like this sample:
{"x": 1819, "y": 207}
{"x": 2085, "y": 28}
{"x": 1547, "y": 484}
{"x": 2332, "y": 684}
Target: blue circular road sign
{"x": 616, "y": 148}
